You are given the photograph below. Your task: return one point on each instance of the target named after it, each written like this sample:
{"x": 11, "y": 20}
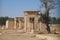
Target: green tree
{"x": 58, "y": 20}
{"x": 3, "y": 20}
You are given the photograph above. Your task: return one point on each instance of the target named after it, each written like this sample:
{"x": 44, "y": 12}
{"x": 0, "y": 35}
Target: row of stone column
{"x": 12, "y": 24}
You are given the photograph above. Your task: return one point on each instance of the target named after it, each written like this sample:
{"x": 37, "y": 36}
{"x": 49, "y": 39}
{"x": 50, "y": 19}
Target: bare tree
{"x": 48, "y": 5}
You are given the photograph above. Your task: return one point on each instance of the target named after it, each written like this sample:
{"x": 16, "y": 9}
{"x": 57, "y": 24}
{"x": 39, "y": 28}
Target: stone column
{"x": 35, "y": 23}
{"x": 25, "y": 23}
{"x": 6, "y": 24}
{"x": 20, "y": 24}
{"x": 28, "y": 25}
{"x": 15, "y": 24}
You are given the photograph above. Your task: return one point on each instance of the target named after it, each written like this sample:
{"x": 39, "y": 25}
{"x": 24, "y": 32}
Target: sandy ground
{"x": 17, "y": 36}
{"x": 49, "y": 36}
{"x": 12, "y": 35}
{"x": 28, "y": 36}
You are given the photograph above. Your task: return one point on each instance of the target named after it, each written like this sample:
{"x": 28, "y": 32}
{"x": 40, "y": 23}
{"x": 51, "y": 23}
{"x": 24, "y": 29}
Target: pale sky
{"x": 15, "y": 8}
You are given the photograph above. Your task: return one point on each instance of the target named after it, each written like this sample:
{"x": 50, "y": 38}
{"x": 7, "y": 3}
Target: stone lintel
{"x": 34, "y": 11}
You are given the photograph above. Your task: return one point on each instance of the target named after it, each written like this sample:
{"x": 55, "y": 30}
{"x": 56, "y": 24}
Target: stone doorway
{"x": 31, "y": 21}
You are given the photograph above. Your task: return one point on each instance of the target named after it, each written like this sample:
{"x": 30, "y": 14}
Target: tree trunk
{"x": 47, "y": 22}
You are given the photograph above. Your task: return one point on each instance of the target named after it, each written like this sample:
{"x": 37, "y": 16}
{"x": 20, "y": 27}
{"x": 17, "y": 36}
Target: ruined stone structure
{"x": 19, "y": 23}
{"x": 31, "y": 16}
{"x": 9, "y": 24}
{"x": 28, "y": 23}
{"x": 16, "y": 23}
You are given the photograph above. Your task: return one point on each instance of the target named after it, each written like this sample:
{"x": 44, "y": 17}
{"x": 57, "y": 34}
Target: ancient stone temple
{"x": 9, "y": 24}
{"x": 28, "y": 23}
{"x": 31, "y": 21}
{"x": 16, "y": 23}
{"x": 19, "y": 23}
